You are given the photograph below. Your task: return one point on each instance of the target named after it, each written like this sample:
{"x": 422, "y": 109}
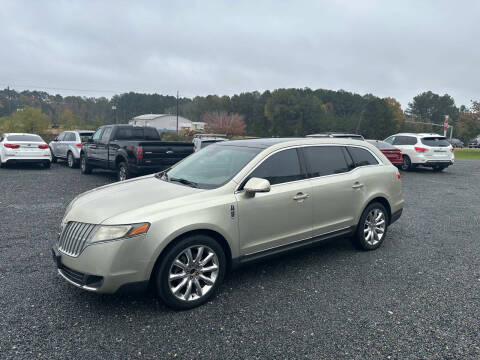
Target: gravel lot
{"x": 418, "y": 296}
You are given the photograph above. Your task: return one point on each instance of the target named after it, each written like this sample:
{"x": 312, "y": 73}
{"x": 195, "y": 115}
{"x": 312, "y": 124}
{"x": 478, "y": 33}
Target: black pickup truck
{"x": 130, "y": 150}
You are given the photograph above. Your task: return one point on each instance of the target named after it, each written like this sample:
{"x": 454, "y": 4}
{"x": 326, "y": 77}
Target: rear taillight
{"x": 43, "y": 146}
{"x": 139, "y": 152}
{"x": 419, "y": 149}
{"x": 452, "y": 149}
{"x": 11, "y": 146}
{"x": 78, "y": 144}
{"x": 398, "y": 175}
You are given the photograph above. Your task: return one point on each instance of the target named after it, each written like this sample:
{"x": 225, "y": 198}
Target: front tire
{"x": 190, "y": 272}
{"x": 407, "y": 163}
{"x": 85, "y": 168}
{"x": 372, "y": 227}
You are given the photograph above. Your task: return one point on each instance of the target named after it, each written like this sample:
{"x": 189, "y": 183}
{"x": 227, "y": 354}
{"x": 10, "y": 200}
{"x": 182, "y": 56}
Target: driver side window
{"x": 279, "y": 168}
{"x": 97, "y": 134}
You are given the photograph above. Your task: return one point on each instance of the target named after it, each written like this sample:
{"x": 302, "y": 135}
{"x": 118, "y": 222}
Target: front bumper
{"x": 107, "y": 267}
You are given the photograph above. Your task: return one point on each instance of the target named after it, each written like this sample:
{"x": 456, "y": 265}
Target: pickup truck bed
{"x": 130, "y": 151}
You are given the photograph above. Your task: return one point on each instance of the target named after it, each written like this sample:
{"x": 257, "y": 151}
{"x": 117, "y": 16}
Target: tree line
{"x": 281, "y": 112}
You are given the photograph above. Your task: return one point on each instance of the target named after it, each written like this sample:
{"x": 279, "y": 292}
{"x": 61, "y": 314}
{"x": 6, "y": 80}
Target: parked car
{"x": 431, "y": 150}
{"x": 229, "y": 204}
{"x": 23, "y": 148}
{"x": 68, "y": 144}
{"x": 391, "y": 152}
{"x": 203, "y": 140}
{"x": 130, "y": 150}
{"x": 336, "y": 135}
{"x": 474, "y": 143}
{"x": 457, "y": 143}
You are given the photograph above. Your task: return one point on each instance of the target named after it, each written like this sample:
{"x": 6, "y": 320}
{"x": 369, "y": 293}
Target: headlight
{"x": 112, "y": 232}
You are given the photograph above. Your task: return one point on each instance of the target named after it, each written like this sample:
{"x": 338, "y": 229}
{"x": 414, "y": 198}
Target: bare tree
{"x": 223, "y": 123}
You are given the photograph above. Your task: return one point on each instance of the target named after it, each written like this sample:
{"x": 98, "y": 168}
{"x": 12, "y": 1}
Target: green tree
{"x": 28, "y": 120}
{"x": 431, "y": 107}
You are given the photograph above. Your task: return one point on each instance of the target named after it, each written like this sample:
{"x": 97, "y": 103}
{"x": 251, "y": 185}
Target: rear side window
{"x": 325, "y": 160}
{"x": 32, "y": 138}
{"x": 70, "y": 137}
{"x": 362, "y": 157}
{"x": 281, "y": 167}
{"x": 435, "y": 141}
{"x": 151, "y": 134}
{"x": 405, "y": 140}
{"x": 137, "y": 133}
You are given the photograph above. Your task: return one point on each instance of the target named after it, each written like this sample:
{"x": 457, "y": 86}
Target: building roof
{"x": 150, "y": 116}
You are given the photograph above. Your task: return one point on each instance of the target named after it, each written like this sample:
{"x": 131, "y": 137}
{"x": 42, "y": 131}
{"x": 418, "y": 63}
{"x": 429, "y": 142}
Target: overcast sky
{"x": 100, "y": 48}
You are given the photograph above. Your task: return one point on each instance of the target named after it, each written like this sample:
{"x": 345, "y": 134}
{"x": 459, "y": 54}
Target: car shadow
{"x": 25, "y": 166}
{"x": 271, "y": 268}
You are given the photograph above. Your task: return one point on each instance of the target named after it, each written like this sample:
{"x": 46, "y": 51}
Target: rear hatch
{"x": 437, "y": 148}
{"x": 164, "y": 153}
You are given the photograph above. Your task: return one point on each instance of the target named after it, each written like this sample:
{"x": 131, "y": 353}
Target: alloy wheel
{"x": 83, "y": 163}
{"x": 374, "y": 227}
{"x": 70, "y": 160}
{"x": 122, "y": 173}
{"x": 193, "y": 273}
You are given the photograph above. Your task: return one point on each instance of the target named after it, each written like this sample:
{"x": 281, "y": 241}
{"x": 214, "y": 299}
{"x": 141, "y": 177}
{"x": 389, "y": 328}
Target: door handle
{"x": 357, "y": 185}
{"x": 301, "y": 196}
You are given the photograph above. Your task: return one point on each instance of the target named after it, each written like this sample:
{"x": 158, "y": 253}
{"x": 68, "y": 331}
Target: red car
{"x": 391, "y": 152}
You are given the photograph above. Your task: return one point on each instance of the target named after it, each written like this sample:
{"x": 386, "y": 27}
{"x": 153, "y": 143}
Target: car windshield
{"x": 211, "y": 167}
{"x": 84, "y": 136}
{"x": 435, "y": 141}
{"x": 30, "y": 138}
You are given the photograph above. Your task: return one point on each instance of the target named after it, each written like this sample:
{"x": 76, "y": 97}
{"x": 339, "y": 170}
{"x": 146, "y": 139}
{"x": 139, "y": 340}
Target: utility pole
{"x": 177, "y": 112}
{"x": 9, "y": 101}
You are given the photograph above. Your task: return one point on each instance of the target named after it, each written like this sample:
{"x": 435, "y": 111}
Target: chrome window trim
{"x": 380, "y": 163}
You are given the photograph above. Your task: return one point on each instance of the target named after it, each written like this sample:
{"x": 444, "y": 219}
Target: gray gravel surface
{"x": 417, "y": 297}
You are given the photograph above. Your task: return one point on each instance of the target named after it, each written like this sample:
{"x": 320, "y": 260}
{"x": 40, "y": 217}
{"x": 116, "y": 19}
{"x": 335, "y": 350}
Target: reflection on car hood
{"x": 97, "y": 205}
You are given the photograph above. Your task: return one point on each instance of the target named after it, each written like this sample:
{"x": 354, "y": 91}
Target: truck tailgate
{"x": 165, "y": 153}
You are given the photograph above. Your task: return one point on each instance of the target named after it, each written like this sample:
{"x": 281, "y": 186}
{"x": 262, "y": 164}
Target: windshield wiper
{"x": 185, "y": 182}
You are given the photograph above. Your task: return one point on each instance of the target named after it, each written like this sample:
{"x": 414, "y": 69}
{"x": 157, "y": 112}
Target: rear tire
{"x": 71, "y": 161}
{"x": 439, "y": 168}
{"x": 122, "y": 172}
{"x": 372, "y": 227}
{"x": 407, "y": 163}
{"x": 194, "y": 285}
{"x": 85, "y": 168}
{"x": 47, "y": 164}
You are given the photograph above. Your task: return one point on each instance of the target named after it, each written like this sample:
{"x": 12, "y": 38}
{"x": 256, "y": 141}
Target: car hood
{"x": 98, "y": 205}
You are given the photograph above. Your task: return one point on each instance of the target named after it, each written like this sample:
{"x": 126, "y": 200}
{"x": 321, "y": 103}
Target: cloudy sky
{"x": 100, "y": 48}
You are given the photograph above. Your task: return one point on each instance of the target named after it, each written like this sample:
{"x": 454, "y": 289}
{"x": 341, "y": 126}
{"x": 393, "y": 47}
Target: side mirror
{"x": 257, "y": 185}
{"x": 56, "y": 139}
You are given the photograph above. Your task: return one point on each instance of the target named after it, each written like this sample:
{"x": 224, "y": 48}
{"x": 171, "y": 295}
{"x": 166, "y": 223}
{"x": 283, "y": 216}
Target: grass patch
{"x": 473, "y": 154}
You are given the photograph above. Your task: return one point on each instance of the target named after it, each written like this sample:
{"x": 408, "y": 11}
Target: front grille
{"x": 74, "y": 236}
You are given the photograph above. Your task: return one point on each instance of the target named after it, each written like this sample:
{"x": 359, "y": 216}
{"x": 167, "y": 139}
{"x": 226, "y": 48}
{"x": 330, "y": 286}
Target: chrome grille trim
{"x": 74, "y": 237}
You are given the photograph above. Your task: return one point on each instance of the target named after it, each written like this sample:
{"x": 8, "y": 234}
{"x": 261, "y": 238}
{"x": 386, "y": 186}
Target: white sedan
{"x": 24, "y": 148}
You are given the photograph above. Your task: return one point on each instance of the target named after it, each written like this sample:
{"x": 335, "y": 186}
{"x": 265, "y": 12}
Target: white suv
{"x": 430, "y": 150}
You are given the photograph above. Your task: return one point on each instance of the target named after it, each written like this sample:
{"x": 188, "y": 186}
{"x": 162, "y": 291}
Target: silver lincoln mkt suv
{"x": 233, "y": 202}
